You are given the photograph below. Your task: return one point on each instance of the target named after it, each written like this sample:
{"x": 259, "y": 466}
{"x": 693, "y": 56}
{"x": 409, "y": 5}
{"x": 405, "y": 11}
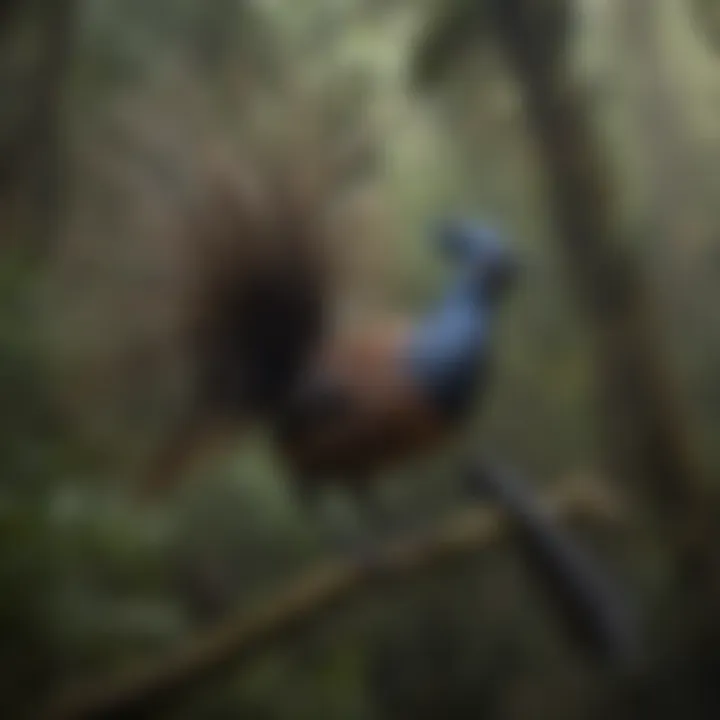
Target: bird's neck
{"x": 449, "y": 348}
{"x": 463, "y": 311}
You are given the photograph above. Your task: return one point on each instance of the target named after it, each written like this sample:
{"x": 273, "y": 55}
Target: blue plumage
{"x": 449, "y": 349}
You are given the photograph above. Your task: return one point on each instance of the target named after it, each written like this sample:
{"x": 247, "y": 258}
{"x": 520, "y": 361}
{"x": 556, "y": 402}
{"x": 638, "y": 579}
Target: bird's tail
{"x": 594, "y": 612}
{"x": 229, "y": 248}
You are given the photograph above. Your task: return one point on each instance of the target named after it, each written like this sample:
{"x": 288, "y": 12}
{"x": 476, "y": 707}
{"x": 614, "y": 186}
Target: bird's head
{"x": 480, "y": 250}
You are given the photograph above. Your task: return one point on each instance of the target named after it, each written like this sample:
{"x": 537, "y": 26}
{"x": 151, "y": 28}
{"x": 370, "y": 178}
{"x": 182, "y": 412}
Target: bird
{"x": 394, "y": 390}
{"x": 346, "y": 404}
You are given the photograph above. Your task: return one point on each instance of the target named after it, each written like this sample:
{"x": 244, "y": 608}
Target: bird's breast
{"x": 381, "y": 415}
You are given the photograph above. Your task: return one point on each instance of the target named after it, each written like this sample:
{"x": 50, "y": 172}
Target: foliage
{"x": 89, "y": 581}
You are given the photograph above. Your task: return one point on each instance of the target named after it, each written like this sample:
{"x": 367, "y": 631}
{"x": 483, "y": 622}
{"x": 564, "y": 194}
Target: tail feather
{"x": 247, "y": 234}
{"x": 594, "y": 613}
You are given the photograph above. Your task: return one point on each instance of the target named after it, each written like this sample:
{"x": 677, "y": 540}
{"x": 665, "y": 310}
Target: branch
{"x": 249, "y": 632}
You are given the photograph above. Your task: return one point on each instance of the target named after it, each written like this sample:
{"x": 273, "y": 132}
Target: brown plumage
{"x": 258, "y": 308}
{"x": 370, "y": 417}
{"x": 267, "y": 267}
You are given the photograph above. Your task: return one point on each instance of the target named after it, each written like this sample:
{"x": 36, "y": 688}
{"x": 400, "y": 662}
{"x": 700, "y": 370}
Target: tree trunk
{"x": 31, "y": 140}
{"x": 674, "y": 217}
{"x": 646, "y": 431}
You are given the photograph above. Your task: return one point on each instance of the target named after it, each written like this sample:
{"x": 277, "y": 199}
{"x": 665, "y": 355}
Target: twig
{"x": 249, "y": 632}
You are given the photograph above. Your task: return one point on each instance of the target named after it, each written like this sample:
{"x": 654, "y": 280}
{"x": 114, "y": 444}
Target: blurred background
{"x": 585, "y": 129}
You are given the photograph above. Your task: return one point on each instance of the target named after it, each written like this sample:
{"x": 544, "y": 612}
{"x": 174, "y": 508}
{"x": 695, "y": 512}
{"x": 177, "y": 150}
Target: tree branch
{"x": 249, "y": 632}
